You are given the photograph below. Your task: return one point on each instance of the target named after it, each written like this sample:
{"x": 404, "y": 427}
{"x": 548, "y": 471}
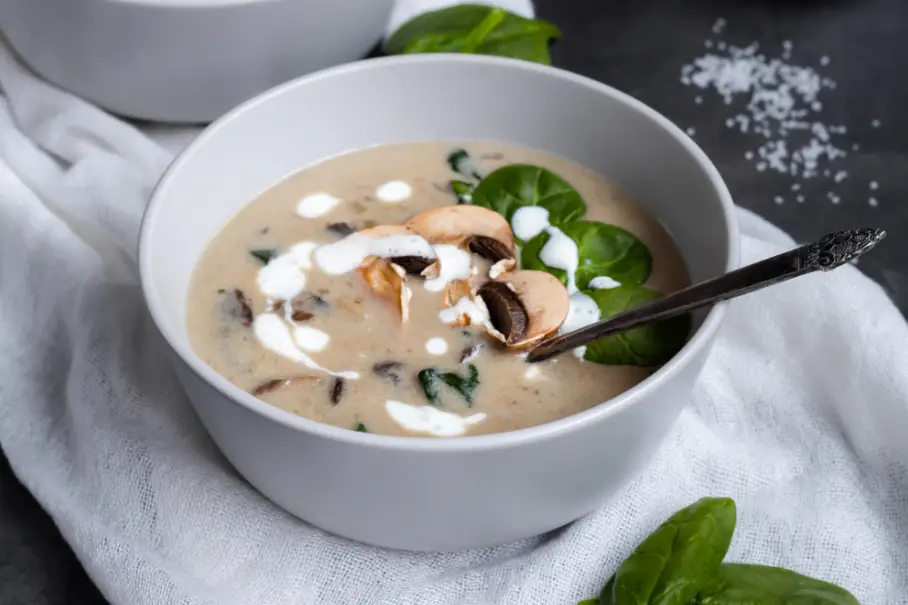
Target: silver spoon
{"x": 829, "y": 252}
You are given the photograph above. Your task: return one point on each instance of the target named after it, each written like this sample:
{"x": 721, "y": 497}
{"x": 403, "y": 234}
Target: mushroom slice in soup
{"x": 525, "y": 307}
{"x": 388, "y": 280}
{"x": 453, "y": 293}
{"x": 414, "y": 265}
{"x": 281, "y": 383}
{"x": 479, "y": 230}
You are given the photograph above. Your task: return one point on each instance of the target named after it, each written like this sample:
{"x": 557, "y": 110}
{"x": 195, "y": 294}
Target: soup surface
{"x": 397, "y": 330}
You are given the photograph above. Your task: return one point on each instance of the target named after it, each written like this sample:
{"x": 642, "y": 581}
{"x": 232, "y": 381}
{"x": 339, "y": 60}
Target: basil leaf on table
{"x": 648, "y": 345}
{"x": 740, "y": 584}
{"x": 602, "y": 250}
{"x": 511, "y": 187}
{"x": 475, "y": 29}
{"x": 680, "y": 556}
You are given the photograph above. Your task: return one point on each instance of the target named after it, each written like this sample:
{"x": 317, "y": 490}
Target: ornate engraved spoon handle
{"x": 830, "y": 251}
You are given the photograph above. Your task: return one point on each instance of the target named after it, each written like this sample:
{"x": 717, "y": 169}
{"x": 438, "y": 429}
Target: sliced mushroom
{"x": 482, "y": 231}
{"x": 489, "y": 248}
{"x": 503, "y": 266}
{"x": 414, "y": 265}
{"x": 388, "y": 280}
{"x": 525, "y": 306}
{"x": 455, "y": 290}
{"x": 280, "y": 383}
{"x": 390, "y": 370}
{"x": 506, "y": 313}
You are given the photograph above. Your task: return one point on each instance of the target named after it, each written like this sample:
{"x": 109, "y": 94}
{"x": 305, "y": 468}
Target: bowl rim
{"x": 543, "y": 432}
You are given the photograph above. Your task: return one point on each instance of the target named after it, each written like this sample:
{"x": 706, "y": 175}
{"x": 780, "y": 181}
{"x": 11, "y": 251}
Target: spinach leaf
{"x": 645, "y": 346}
{"x": 263, "y": 255}
{"x": 679, "y": 557}
{"x": 602, "y": 250}
{"x": 518, "y": 185}
{"x": 463, "y": 191}
{"x": 475, "y": 29}
{"x": 361, "y": 428}
{"x": 739, "y": 584}
{"x": 429, "y": 379}
{"x": 459, "y": 161}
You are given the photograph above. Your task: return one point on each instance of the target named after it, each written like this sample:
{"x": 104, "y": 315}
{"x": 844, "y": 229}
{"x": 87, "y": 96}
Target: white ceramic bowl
{"x": 186, "y": 60}
{"x": 423, "y": 493}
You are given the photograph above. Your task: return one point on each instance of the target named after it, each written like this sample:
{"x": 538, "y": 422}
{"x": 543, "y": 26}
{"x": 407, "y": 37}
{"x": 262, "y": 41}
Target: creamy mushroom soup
{"x": 396, "y": 289}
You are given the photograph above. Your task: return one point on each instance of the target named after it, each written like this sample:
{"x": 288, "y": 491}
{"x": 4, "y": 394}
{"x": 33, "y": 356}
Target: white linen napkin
{"x": 800, "y": 415}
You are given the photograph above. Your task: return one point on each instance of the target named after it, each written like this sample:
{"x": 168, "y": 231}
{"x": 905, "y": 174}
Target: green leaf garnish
{"x": 361, "y": 428}
{"x": 646, "y": 346}
{"x": 476, "y": 29}
{"x": 514, "y": 186}
{"x": 679, "y": 557}
{"x": 463, "y": 191}
{"x": 735, "y": 583}
{"x": 263, "y": 255}
{"x": 465, "y": 386}
{"x": 602, "y": 250}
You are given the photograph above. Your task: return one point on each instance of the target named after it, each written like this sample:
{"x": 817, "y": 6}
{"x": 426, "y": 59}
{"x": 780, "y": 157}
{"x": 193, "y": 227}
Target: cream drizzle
{"x": 429, "y": 419}
{"x": 453, "y": 264}
{"x": 274, "y": 334}
{"x": 316, "y": 205}
{"x": 283, "y": 278}
{"x": 347, "y": 254}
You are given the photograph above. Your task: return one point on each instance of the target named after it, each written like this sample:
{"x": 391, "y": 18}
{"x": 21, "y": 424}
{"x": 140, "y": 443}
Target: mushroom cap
{"x": 457, "y": 224}
{"x": 414, "y": 265}
{"x": 388, "y": 281}
{"x": 541, "y": 297}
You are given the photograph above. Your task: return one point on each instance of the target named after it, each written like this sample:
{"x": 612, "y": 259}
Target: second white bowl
{"x": 186, "y": 60}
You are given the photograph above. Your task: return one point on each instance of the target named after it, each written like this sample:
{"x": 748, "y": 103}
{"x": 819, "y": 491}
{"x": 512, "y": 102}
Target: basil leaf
{"x": 517, "y": 185}
{"x": 475, "y": 29}
{"x": 739, "y": 584}
{"x": 463, "y": 191}
{"x": 429, "y": 379}
{"x": 602, "y": 250}
{"x": 263, "y": 255}
{"x": 361, "y": 428}
{"x": 646, "y": 346}
{"x": 680, "y": 557}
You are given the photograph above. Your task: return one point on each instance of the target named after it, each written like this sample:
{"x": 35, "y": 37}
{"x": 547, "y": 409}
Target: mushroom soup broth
{"x": 393, "y": 290}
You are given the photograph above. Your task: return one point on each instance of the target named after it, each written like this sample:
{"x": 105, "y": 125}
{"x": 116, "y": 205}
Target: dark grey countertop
{"x": 640, "y": 47}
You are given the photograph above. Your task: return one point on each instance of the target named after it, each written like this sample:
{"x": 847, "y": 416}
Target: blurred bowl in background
{"x": 186, "y": 61}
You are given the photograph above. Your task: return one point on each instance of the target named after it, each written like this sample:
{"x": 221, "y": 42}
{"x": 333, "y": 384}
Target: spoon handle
{"x": 829, "y": 252}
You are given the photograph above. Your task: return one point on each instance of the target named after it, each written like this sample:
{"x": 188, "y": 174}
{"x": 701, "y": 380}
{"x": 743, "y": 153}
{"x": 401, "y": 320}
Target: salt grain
{"x": 776, "y": 104}
{"x": 691, "y": 132}
{"x": 719, "y": 25}
{"x": 876, "y": 123}
{"x": 874, "y": 185}
{"x": 800, "y": 199}
{"x": 872, "y": 201}
{"x": 779, "y": 199}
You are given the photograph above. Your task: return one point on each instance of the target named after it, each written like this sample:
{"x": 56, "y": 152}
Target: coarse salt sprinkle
{"x": 775, "y": 102}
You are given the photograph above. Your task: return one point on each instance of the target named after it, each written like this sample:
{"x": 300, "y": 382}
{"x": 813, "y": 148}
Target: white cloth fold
{"x": 801, "y": 416}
